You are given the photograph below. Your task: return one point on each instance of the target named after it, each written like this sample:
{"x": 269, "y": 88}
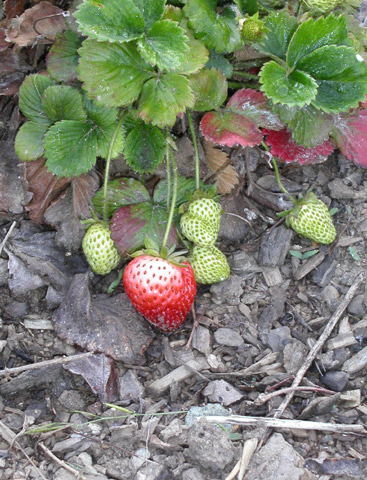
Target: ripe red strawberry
{"x": 160, "y": 290}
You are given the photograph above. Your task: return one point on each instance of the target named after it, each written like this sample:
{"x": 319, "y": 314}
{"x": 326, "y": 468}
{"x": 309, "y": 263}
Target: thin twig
{"x": 234, "y": 471}
{"x": 319, "y": 344}
{"x": 10, "y": 231}
{"x": 285, "y": 423}
{"x": 194, "y": 327}
{"x": 263, "y": 398}
{"x": 248, "y": 450}
{"x": 61, "y": 463}
{"x": 45, "y": 363}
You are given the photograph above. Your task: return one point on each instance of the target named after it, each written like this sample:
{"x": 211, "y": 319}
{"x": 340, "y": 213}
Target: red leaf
{"x": 229, "y": 129}
{"x": 283, "y": 147}
{"x": 350, "y": 135}
{"x": 255, "y": 106}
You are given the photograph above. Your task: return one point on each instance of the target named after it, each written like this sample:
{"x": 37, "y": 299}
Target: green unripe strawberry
{"x": 323, "y": 6}
{"x": 252, "y": 29}
{"x": 209, "y": 264}
{"x": 198, "y": 231}
{"x": 206, "y": 209}
{"x": 100, "y": 250}
{"x": 311, "y": 219}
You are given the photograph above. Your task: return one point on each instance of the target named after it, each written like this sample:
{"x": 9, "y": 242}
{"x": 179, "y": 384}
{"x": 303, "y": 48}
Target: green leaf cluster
{"x": 312, "y": 64}
{"x": 69, "y": 129}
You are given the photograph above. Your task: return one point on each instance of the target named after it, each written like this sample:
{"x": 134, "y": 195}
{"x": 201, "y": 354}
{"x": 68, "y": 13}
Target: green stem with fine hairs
{"x": 195, "y": 143}
{"x": 172, "y": 161}
{"x": 168, "y": 170}
{"x": 107, "y": 169}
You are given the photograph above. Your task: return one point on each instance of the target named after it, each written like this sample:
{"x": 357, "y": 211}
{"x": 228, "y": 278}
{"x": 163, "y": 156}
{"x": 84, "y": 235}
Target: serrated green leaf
{"x": 121, "y": 192}
{"x": 61, "y": 102}
{"x": 164, "y": 97}
{"x": 314, "y": 34}
{"x": 29, "y": 141}
{"x": 164, "y": 45}
{"x": 106, "y": 121}
{"x": 110, "y": 20}
{"x": 280, "y": 28}
{"x": 144, "y": 148}
{"x": 152, "y": 11}
{"x": 309, "y": 125}
{"x": 209, "y": 88}
{"x": 219, "y": 31}
{"x": 297, "y": 88}
{"x": 219, "y": 62}
{"x": 71, "y": 148}
{"x": 341, "y": 75}
{"x": 247, "y": 6}
{"x": 63, "y": 58}
{"x": 185, "y": 187}
{"x": 30, "y": 97}
{"x": 112, "y": 74}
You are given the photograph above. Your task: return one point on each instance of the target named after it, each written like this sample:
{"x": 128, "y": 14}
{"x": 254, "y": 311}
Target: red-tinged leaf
{"x": 229, "y": 129}
{"x": 283, "y": 147}
{"x": 101, "y": 374}
{"x": 133, "y": 223}
{"x": 350, "y": 135}
{"x": 255, "y": 106}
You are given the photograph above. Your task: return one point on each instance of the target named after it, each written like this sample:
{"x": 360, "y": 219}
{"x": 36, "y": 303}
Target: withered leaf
{"x": 13, "y": 8}
{"x": 12, "y": 70}
{"x": 101, "y": 374}
{"x": 43, "y": 21}
{"x": 226, "y": 178}
{"x": 72, "y": 206}
{"x": 13, "y": 194}
{"x": 41, "y": 256}
{"x": 45, "y": 188}
{"x": 104, "y": 324}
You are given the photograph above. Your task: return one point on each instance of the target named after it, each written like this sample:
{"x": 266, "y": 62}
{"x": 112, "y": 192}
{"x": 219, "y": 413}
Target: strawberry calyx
{"x": 175, "y": 257}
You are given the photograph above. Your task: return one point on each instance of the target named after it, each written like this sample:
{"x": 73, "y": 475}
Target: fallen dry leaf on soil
{"x": 227, "y": 178}
{"x": 41, "y": 22}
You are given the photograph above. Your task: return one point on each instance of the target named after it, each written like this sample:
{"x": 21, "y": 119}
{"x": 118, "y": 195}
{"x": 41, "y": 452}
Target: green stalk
{"x": 173, "y": 201}
{"x": 281, "y": 186}
{"x": 245, "y": 75}
{"x": 168, "y": 169}
{"x": 195, "y": 143}
{"x": 107, "y": 170}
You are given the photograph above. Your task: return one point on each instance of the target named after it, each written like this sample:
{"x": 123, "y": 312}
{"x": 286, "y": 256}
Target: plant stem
{"x": 107, "y": 169}
{"x": 282, "y": 187}
{"x": 195, "y": 143}
{"x": 168, "y": 169}
{"x": 173, "y": 201}
{"x": 245, "y": 74}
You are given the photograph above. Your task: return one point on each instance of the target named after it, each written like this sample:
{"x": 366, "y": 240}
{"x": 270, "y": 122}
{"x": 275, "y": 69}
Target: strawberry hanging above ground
{"x": 209, "y": 264}
{"x": 201, "y": 223}
{"x": 311, "y": 218}
{"x": 99, "y": 249}
{"x": 161, "y": 291}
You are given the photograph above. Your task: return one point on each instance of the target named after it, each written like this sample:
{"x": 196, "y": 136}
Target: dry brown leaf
{"x": 13, "y": 8}
{"x": 226, "y": 178}
{"x": 43, "y": 21}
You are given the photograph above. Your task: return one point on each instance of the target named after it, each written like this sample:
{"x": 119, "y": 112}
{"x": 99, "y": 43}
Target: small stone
{"x": 294, "y": 354}
{"x": 335, "y": 380}
{"x": 196, "y": 413}
{"x": 250, "y": 298}
{"x": 201, "y": 340}
{"x": 210, "y": 447}
{"x": 356, "y": 363}
{"x": 278, "y": 338}
{"x": 229, "y": 291}
{"x": 220, "y": 391}
{"x": 192, "y": 474}
{"x": 241, "y": 263}
{"x": 329, "y": 292}
{"x": 228, "y": 337}
{"x": 357, "y": 306}
{"x": 131, "y": 390}
{"x": 16, "y": 309}
{"x": 266, "y": 319}
{"x": 71, "y": 400}
{"x": 141, "y": 455}
{"x": 324, "y": 272}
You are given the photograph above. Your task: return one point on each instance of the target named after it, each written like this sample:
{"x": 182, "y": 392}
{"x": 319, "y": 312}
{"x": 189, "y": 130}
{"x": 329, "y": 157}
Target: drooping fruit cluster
{"x": 311, "y": 219}
{"x": 99, "y": 249}
{"x": 201, "y": 224}
{"x": 161, "y": 291}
